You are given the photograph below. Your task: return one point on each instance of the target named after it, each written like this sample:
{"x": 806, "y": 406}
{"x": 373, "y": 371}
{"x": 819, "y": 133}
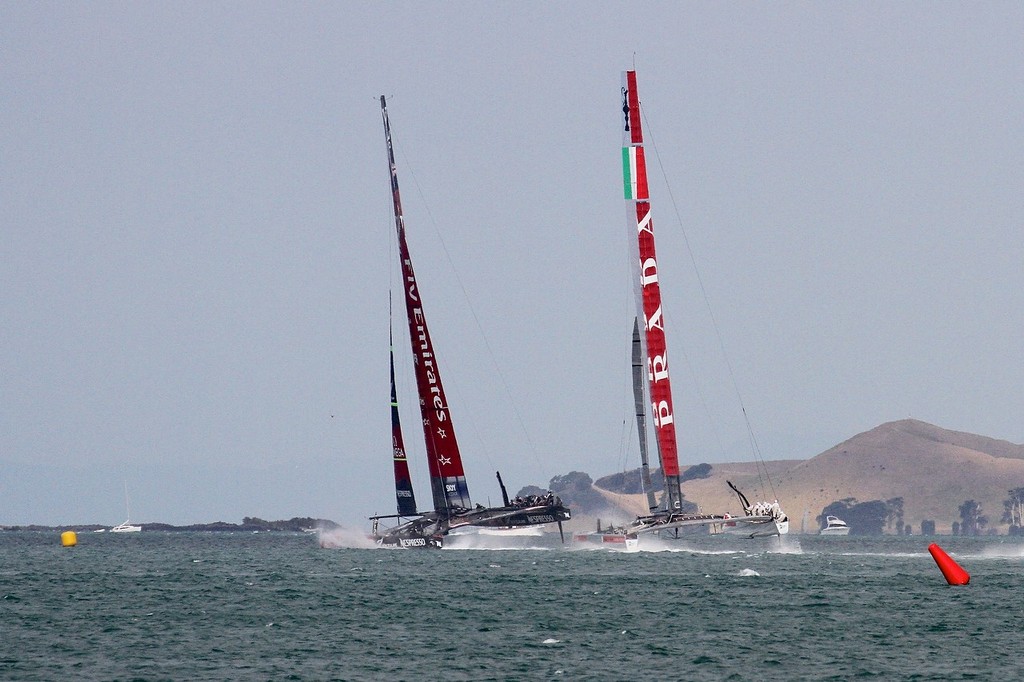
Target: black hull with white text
{"x": 429, "y": 530}
{"x": 424, "y": 532}
{"x": 512, "y": 517}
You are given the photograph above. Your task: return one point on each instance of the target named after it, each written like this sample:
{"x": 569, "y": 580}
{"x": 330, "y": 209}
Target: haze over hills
{"x": 934, "y": 470}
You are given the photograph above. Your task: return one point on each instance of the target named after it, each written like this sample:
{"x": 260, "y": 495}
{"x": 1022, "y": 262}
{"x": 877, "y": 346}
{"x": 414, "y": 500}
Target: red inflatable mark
{"x": 951, "y": 571}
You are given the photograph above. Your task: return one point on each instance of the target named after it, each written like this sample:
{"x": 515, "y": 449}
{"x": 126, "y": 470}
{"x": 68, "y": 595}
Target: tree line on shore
{"x": 877, "y": 517}
{"x": 872, "y": 517}
{"x": 249, "y": 524}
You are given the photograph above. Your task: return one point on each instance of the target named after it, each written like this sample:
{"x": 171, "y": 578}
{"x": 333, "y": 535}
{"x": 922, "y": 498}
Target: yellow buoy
{"x": 68, "y": 538}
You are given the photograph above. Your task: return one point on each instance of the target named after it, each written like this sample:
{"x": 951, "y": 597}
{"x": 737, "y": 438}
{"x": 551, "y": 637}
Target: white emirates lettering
{"x": 428, "y": 364}
{"x": 409, "y": 278}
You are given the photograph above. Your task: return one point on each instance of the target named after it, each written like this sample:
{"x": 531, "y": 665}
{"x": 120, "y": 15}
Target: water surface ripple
{"x": 216, "y": 606}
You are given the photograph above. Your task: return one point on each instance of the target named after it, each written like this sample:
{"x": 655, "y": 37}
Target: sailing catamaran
{"x": 667, "y": 518}
{"x": 452, "y": 505}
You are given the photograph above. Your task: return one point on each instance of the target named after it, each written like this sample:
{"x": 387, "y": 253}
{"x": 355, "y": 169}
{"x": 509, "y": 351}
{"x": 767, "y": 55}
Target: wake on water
{"x": 1002, "y": 552}
{"x": 705, "y": 545}
{"x": 344, "y": 538}
{"x": 348, "y": 538}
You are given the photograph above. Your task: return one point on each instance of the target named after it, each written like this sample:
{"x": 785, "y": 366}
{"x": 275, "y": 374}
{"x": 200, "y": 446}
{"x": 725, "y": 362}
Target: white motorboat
{"x": 834, "y": 526}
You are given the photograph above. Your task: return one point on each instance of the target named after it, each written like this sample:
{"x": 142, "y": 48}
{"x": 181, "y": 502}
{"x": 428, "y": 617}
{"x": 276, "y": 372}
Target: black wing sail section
{"x": 403, "y": 481}
{"x": 640, "y": 403}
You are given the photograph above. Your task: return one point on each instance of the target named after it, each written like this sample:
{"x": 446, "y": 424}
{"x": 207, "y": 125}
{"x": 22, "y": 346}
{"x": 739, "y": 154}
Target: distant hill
{"x": 934, "y": 470}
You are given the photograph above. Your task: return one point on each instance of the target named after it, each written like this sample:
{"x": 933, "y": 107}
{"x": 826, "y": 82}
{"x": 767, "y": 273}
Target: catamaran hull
{"x": 675, "y": 526}
{"x": 610, "y": 541}
{"x": 512, "y": 517}
{"x": 424, "y": 532}
{"x": 410, "y": 543}
{"x": 669, "y": 526}
{"x": 756, "y": 527}
{"x": 500, "y": 532}
{"x": 429, "y": 531}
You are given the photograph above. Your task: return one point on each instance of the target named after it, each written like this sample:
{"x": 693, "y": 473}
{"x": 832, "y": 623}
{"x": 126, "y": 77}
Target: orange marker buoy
{"x": 951, "y": 571}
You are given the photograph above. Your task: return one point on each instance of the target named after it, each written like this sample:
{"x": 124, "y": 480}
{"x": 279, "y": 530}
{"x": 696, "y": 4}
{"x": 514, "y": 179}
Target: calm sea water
{"x": 193, "y": 606}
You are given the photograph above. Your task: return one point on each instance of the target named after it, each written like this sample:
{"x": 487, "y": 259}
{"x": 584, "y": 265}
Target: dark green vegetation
{"x": 580, "y": 492}
{"x": 868, "y": 518}
{"x": 577, "y": 491}
{"x": 871, "y": 517}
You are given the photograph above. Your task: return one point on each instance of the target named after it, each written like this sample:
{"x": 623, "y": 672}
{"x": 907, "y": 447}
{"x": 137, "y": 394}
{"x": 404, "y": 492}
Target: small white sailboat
{"x": 127, "y": 526}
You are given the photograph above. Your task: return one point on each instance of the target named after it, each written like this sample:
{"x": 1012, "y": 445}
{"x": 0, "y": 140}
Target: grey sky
{"x": 197, "y": 232}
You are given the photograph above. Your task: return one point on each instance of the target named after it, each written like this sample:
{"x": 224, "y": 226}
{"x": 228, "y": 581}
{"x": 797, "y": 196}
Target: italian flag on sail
{"x": 634, "y": 173}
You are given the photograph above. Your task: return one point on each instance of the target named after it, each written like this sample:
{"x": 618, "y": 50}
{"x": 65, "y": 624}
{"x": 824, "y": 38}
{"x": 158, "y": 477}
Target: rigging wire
{"x": 490, "y": 352}
{"x": 759, "y": 459}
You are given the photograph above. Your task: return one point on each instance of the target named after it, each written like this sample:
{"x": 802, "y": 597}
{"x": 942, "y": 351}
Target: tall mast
{"x": 639, "y": 403}
{"x": 403, "y": 481}
{"x": 447, "y": 479}
{"x": 649, "y": 291}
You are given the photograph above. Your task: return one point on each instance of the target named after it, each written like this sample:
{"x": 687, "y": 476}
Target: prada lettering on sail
{"x": 657, "y": 361}
{"x": 636, "y": 192}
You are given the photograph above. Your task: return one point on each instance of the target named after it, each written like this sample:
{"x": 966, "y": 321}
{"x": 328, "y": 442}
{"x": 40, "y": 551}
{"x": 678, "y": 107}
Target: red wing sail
{"x": 649, "y": 298}
{"x": 447, "y": 479}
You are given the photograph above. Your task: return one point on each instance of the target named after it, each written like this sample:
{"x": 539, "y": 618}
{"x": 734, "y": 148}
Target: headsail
{"x": 639, "y": 402}
{"x": 447, "y": 478}
{"x": 403, "y": 481}
{"x": 649, "y": 291}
